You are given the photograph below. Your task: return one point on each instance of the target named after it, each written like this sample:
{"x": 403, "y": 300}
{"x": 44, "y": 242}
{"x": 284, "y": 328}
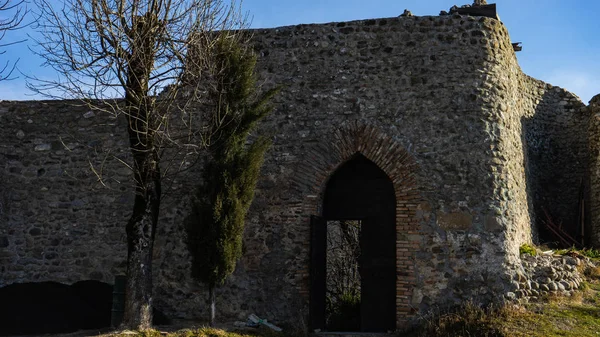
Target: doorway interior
{"x": 353, "y": 255}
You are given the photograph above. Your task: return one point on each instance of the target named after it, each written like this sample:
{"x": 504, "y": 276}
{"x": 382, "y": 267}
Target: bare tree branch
{"x": 148, "y": 61}
{"x": 16, "y": 12}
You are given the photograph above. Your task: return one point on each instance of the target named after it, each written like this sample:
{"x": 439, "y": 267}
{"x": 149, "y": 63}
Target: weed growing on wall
{"x": 527, "y": 249}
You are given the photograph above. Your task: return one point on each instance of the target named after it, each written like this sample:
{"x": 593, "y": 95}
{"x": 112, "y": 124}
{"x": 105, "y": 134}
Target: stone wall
{"x": 58, "y": 222}
{"x": 415, "y": 81}
{"x": 540, "y": 137}
{"x": 555, "y": 130}
{"x": 545, "y": 274}
{"x": 594, "y": 169}
{"x": 438, "y": 103}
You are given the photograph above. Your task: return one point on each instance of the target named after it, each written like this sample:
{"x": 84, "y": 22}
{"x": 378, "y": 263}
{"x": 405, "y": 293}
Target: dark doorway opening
{"x": 359, "y": 209}
{"x": 38, "y": 308}
{"x": 342, "y": 276}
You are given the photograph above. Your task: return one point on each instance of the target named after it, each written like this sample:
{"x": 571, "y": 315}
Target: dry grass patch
{"x": 593, "y": 273}
{"x": 468, "y": 320}
{"x": 578, "y": 315}
{"x": 202, "y": 332}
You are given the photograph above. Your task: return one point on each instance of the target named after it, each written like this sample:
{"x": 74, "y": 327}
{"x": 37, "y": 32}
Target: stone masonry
{"x": 594, "y": 169}
{"x": 477, "y": 153}
{"x": 545, "y": 274}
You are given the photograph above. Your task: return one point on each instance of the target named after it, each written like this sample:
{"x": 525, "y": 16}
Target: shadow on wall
{"x": 556, "y": 162}
{"x": 51, "y": 307}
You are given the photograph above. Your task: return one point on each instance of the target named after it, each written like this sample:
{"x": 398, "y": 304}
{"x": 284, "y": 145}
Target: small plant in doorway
{"x": 344, "y": 312}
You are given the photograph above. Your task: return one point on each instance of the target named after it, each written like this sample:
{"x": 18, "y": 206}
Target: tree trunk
{"x": 212, "y": 304}
{"x": 141, "y": 228}
{"x": 140, "y": 241}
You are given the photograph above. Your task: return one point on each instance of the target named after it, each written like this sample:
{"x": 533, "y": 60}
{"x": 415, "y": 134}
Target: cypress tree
{"x": 235, "y": 156}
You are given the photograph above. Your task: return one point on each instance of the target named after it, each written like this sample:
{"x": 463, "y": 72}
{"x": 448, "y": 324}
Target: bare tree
{"x": 109, "y": 49}
{"x": 15, "y": 13}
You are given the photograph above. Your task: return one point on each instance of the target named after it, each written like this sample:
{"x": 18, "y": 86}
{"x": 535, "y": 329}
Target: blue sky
{"x": 561, "y": 38}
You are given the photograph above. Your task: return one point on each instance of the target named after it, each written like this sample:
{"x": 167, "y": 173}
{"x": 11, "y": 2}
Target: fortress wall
{"x": 417, "y": 80}
{"x": 543, "y": 147}
{"x": 57, "y": 222}
{"x": 498, "y": 94}
{"x": 445, "y": 90}
{"x": 594, "y": 146}
{"x": 555, "y": 131}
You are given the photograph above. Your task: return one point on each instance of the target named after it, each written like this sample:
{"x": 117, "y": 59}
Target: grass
{"x": 203, "y": 332}
{"x": 589, "y": 252}
{"x": 559, "y": 317}
{"x": 593, "y": 273}
{"x": 578, "y": 315}
{"x": 469, "y": 320}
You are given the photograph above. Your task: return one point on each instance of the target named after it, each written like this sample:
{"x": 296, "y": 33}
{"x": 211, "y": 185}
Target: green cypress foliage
{"x": 216, "y": 225}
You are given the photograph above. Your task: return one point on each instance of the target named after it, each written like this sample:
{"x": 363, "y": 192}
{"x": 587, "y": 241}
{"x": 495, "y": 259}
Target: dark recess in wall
{"x": 51, "y": 307}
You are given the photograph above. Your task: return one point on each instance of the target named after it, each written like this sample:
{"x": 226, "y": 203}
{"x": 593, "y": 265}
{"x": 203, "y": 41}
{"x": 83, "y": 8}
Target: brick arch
{"x": 325, "y": 157}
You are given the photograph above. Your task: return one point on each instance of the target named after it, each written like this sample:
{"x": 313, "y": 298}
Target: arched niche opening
{"x": 36, "y": 308}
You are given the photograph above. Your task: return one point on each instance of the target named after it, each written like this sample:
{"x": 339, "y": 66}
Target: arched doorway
{"x": 359, "y": 210}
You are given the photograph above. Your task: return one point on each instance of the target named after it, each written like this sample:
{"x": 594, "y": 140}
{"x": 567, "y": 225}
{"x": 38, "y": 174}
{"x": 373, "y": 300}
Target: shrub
{"x": 527, "y": 249}
{"x": 466, "y": 320}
